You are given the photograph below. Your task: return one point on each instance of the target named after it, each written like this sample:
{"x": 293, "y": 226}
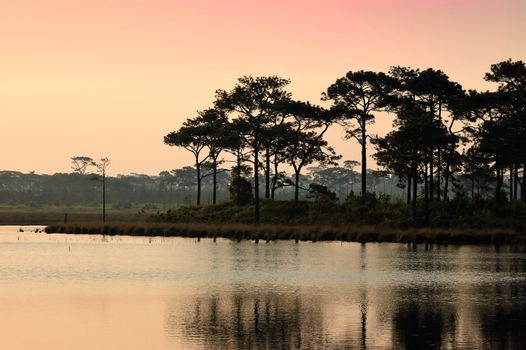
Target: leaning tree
{"x": 192, "y": 137}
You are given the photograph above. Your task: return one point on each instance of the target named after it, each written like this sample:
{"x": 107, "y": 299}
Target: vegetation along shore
{"x": 266, "y": 232}
{"x": 322, "y": 219}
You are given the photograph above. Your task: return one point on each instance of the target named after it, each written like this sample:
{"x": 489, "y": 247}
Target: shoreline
{"x": 313, "y": 233}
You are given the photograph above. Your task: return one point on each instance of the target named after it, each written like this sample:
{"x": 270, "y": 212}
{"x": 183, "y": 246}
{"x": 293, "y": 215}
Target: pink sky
{"x": 111, "y": 78}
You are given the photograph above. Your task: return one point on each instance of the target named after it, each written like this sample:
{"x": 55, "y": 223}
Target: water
{"x": 94, "y": 292}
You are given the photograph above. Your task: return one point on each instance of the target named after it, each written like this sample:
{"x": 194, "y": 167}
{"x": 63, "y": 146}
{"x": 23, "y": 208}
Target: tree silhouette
{"x": 215, "y": 129}
{"x": 102, "y": 166}
{"x": 254, "y": 101}
{"x": 511, "y": 77}
{"x": 356, "y": 97}
{"x": 475, "y": 166}
{"x": 192, "y": 137}
{"x": 409, "y": 148}
{"x": 432, "y": 91}
{"x": 304, "y": 139}
{"x": 235, "y": 144}
{"x": 435, "y": 121}
{"x": 80, "y": 164}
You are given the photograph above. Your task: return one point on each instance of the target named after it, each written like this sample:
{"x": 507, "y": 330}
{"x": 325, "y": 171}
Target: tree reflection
{"x": 424, "y": 325}
{"x": 269, "y": 321}
{"x": 503, "y": 322}
{"x": 486, "y": 309}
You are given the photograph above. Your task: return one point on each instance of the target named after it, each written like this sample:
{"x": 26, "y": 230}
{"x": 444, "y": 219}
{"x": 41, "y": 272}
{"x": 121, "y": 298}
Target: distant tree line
{"x": 445, "y": 141}
{"x": 170, "y": 188}
{"x": 74, "y": 189}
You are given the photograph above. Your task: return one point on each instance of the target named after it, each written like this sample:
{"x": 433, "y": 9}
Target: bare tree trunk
{"x": 364, "y": 157}
{"x": 439, "y": 173}
{"x": 296, "y": 184}
{"x": 214, "y": 182}
{"x": 499, "y": 179}
{"x": 256, "y": 178}
{"x": 238, "y": 182}
{"x": 439, "y": 159}
{"x": 274, "y": 179}
{"x": 415, "y": 182}
{"x": 515, "y": 182}
{"x": 431, "y": 179}
{"x": 446, "y": 181}
{"x": 267, "y": 171}
{"x": 198, "y": 172}
{"x": 409, "y": 189}
{"x": 103, "y": 195}
{"x": 511, "y": 182}
{"x": 427, "y": 190}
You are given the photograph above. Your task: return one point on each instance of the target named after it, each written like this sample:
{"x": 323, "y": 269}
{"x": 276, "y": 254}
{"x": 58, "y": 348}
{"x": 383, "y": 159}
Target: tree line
{"x": 445, "y": 140}
{"x": 169, "y": 188}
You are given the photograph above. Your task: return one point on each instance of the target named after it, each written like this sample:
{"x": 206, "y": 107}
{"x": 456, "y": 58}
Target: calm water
{"x": 93, "y": 292}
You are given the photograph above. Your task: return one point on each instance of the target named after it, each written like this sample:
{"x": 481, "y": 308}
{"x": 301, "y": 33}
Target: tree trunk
{"x": 198, "y": 171}
{"x": 515, "y": 182}
{"x": 499, "y": 182}
{"x": 409, "y": 190}
{"x": 214, "y": 181}
{"x": 267, "y": 171}
{"x": 439, "y": 159}
{"x": 274, "y": 179}
{"x": 446, "y": 182}
{"x": 439, "y": 174}
{"x": 427, "y": 190}
{"x": 431, "y": 183}
{"x": 364, "y": 157}
{"x": 415, "y": 182}
{"x": 103, "y": 195}
{"x": 511, "y": 182}
{"x": 238, "y": 182}
{"x": 297, "y": 184}
{"x": 256, "y": 178}
{"x": 523, "y": 185}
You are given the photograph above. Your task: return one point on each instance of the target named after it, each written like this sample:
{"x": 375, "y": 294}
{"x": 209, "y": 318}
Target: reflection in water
{"x": 363, "y": 301}
{"x": 427, "y": 316}
{"x": 269, "y": 321}
{"x": 420, "y": 323}
{"x": 504, "y": 318}
{"x": 276, "y": 321}
{"x": 87, "y": 292}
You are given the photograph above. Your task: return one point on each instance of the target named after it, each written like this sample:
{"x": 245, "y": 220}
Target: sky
{"x": 109, "y": 78}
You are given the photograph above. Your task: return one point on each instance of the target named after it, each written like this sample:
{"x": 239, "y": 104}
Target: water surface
{"x": 96, "y": 292}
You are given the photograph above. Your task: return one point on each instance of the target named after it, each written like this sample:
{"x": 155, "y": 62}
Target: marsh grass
{"x": 48, "y": 215}
{"x": 270, "y": 232}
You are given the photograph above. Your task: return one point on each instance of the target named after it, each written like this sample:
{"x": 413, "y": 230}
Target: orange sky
{"x": 112, "y": 77}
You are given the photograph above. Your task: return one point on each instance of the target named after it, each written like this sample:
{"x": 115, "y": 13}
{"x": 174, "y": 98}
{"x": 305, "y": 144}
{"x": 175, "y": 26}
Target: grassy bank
{"x": 264, "y": 232}
{"x": 371, "y": 210}
{"x": 49, "y": 215}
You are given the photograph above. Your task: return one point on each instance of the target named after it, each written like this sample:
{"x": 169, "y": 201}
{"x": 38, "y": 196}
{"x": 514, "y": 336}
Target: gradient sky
{"x": 112, "y": 77}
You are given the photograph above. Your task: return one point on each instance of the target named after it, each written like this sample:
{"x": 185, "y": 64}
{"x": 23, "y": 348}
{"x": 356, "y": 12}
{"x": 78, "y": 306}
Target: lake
{"x": 100, "y": 292}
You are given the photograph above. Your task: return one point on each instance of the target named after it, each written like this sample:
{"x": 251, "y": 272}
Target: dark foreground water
{"x": 94, "y": 292}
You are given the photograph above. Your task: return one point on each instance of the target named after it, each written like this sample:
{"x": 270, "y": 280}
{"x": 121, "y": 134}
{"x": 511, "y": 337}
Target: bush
{"x": 240, "y": 191}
